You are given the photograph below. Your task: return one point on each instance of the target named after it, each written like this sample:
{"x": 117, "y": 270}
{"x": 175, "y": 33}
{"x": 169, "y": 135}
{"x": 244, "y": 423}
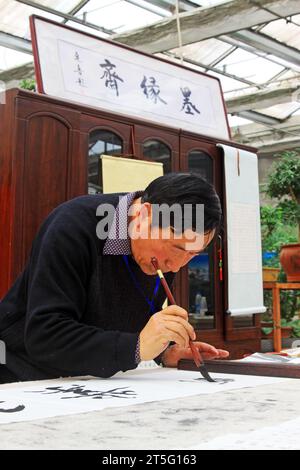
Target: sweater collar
{"x": 118, "y": 240}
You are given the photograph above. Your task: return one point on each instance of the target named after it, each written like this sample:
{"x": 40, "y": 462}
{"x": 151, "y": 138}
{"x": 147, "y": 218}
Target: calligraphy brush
{"x": 195, "y": 351}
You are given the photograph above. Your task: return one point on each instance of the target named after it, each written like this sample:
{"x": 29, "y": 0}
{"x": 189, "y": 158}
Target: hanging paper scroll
{"x": 245, "y": 285}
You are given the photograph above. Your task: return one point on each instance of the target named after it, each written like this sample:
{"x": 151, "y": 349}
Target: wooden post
{"x": 276, "y": 318}
{"x": 276, "y": 287}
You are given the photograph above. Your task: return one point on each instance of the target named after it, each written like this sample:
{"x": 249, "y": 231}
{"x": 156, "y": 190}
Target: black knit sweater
{"x": 74, "y": 311}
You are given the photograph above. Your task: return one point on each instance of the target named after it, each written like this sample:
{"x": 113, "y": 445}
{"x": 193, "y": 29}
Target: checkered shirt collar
{"x": 119, "y": 242}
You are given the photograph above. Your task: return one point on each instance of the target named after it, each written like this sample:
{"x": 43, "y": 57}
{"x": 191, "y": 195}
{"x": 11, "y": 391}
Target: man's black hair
{"x": 187, "y": 188}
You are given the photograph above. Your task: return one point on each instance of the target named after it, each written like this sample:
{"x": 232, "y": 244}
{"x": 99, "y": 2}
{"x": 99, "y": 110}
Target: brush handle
{"x": 166, "y": 287}
{"x": 196, "y": 354}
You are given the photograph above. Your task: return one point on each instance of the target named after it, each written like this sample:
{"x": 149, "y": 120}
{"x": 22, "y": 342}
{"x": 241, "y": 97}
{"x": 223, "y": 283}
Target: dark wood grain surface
{"x": 234, "y": 367}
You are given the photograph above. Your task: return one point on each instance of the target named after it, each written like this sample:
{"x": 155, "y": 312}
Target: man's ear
{"x": 145, "y": 211}
{"x": 144, "y": 220}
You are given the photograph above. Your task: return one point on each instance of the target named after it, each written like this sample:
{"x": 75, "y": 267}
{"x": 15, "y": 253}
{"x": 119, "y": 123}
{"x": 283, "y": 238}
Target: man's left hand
{"x": 174, "y": 353}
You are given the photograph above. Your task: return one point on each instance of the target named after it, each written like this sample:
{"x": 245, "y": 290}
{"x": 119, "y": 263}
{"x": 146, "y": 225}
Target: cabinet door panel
{"x": 45, "y": 144}
{"x": 27, "y": 108}
{"x": 6, "y": 196}
{"x": 45, "y": 173}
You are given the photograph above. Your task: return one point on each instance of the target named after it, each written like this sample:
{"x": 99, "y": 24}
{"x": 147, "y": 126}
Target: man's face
{"x": 172, "y": 251}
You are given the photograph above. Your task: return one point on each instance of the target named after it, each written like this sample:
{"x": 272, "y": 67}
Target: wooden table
{"x": 276, "y": 287}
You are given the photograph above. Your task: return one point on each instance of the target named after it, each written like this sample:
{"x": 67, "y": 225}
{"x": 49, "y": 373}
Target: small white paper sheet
{"x": 27, "y": 401}
{"x": 271, "y": 359}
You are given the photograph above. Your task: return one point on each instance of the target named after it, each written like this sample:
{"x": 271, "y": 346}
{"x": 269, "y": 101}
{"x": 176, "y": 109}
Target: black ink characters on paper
{"x": 78, "y": 70}
{"x": 110, "y": 76}
{"x": 188, "y": 107}
{"x": 78, "y": 391}
{"x": 17, "y": 409}
{"x": 151, "y": 89}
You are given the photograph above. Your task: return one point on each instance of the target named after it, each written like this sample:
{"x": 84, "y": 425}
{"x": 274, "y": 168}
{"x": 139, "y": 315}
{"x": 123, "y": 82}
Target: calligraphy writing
{"x": 199, "y": 379}
{"x": 12, "y": 410}
{"x": 78, "y": 70}
{"x": 110, "y": 76}
{"x": 151, "y": 89}
{"x": 188, "y": 106}
{"x": 78, "y": 391}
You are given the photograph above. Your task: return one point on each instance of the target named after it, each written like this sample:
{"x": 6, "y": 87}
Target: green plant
{"x": 28, "y": 84}
{"x": 275, "y": 233}
{"x": 280, "y": 225}
{"x": 294, "y": 324}
{"x": 284, "y": 185}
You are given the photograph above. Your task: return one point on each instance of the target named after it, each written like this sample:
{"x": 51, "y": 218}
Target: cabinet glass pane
{"x": 201, "y": 164}
{"x": 158, "y": 152}
{"x": 201, "y": 267}
{"x": 101, "y": 142}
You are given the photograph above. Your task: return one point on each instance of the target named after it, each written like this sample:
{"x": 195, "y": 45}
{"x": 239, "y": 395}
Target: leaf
{"x": 267, "y": 331}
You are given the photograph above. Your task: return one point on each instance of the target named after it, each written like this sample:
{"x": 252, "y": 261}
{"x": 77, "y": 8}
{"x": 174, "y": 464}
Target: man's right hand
{"x": 170, "y": 324}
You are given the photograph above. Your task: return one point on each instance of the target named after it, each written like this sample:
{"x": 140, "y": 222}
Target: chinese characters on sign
{"x": 115, "y": 78}
{"x": 78, "y": 70}
{"x": 188, "y": 106}
{"x": 151, "y": 89}
{"x": 110, "y": 76}
{"x": 123, "y": 82}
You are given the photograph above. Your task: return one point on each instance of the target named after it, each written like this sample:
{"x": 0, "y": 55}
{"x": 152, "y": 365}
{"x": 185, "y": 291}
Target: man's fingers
{"x": 210, "y": 352}
{"x": 223, "y": 353}
{"x": 175, "y": 310}
{"x": 185, "y": 324}
{"x": 206, "y": 348}
{"x": 180, "y": 330}
{"x": 171, "y": 335}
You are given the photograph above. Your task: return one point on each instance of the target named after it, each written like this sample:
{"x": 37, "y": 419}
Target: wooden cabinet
{"x": 36, "y": 172}
{"x": 49, "y": 153}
